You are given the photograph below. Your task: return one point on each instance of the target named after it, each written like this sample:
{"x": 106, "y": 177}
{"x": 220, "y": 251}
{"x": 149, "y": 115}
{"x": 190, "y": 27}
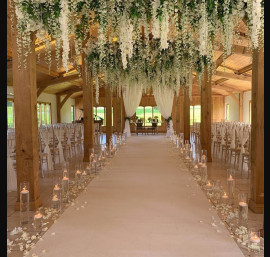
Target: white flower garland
{"x": 126, "y": 43}
{"x": 64, "y": 20}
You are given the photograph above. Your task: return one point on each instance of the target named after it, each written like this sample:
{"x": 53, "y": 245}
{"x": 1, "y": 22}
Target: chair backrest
{"x": 139, "y": 125}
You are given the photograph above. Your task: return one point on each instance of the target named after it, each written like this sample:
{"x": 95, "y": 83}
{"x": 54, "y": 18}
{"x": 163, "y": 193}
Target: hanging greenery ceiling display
{"x": 139, "y": 41}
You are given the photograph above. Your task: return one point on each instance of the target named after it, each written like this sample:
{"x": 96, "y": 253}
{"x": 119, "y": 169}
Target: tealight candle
{"x": 84, "y": 173}
{"x": 242, "y": 204}
{"x": 230, "y": 178}
{"x": 38, "y": 218}
{"x": 255, "y": 239}
{"x": 56, "y": 187}
{"x": 24, "y": 191}
{"x": 65, "y": 178}
{"x": 225, "y": 196}
{"x": 55, "y": 198}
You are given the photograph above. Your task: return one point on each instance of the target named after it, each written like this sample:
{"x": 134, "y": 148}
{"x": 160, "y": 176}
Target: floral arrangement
{"x": 139, "y": 42}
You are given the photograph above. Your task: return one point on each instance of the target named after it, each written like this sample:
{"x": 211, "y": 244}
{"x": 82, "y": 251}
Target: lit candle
{"x": 38, "y": 216}
{"x": 196, "y": 167}
{"x": 255, "y": 239}
{"x": 84, "y": 173}
{"x": 242, "y": 204}
{"x": 230, "y": 178}
{"x": 55, "y": 198}
{"x": 209, "y": 185}
{"x": 65, "y": 177}
{"x": 24, "y": 191}
{"x": 78, "y": 172}
{"x": 225, "y": 196}
{"x": 56, "y": 188}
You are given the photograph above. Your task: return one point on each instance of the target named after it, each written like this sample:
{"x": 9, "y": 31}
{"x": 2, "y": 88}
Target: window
{"x": 148, "y": 114}
{"x": 44, "y": 114}
{"x": 250, "y": 109}
{"x": 227, "y": 112}
{"x": 72, "y": 113}
{"x": 10, "y": 114}
{"x": 145, "y": 113}
{"x": 195, "y": 114}
{"x": 101, "y": 112}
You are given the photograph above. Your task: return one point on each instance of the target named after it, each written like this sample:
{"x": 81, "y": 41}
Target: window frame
{"x": 13, "y": 110}
{"x": 227, "y": 111}
{"x": 250, "y": 111}
{"x": 144, "y": 118}
{"x": 45, "y": 113}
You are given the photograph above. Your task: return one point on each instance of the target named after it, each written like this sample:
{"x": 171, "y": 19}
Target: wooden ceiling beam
{"x": 238, "y": 49}
{"x": 232, "y": 76}
{"x": 56, "y": 81}
{"x": 219, "y": 81}
{"x": 245, "y": 69}
{"x": 220, "y": 60}
{"x": 65, "y": 99}
{"x": 72, "y": 89}
{"x": 229, "y": 68}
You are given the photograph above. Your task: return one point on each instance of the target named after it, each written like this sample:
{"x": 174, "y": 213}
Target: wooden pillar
{"x": 88, "y": 116}
{"x": 177, "y": 114}
{"x": 241, "y": 107}
{"x": 108, "y": 114}
{"x": 206, "y": 108}
{"x": 26, "y": 129}
{"x": 256, "y": 202}
{"x": 186, "y": 114}
{"x": 58, "y": 102}
{"x": 118, "y": 114}
{"x": 181, "y": 112}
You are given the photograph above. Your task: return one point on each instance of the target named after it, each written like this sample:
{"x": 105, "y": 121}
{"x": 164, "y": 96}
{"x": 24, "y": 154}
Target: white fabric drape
{"x": 164, "y": 99}
{"x": 132, "y": 95}
{"x": 46, "y": 139}
{"x": 58, "y": 133}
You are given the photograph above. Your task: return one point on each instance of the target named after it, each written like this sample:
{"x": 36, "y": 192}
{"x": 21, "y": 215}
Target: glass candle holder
{"x": 24, "y": 203}
{"x": 204, "y": 156}
{"x": 209, "y": 186}
{"x": 38, "y": 221}
{"x": 65, "y": 189}
{"x": 231, "y": 184}
{"x": 225, "y": 198}
{"x": 94, "y": 167}
{"x": 56, "y": 203}
{"x": 243, "y": 209}
{"x": 84, "y": 178}
{"x": 217, "y": 190}
{"x": 78, "y": 177}
{"x": 254, "y": 241}
{"x": 203, "y": 174}
{"x": 88, "y": 169}
{"x": 196, "y": 169}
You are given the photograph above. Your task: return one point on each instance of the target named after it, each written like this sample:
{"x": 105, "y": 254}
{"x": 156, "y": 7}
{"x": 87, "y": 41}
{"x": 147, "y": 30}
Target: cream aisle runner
{"x": 143, "y": 205}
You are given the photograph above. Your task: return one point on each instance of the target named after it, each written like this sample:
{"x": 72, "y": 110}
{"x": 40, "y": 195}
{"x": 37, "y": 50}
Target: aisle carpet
{"x": 145, "y": 204}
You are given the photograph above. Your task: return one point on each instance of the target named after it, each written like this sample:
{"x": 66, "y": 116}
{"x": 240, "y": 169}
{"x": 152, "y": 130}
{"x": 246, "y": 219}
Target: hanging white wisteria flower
{"x": 126, "y": 43}
{"x": 138, "y": 41}
{"x": 164, "y": 28}
{"x": 155, "y": 20}
{"x": 203, "y": 36}
{"x": 64, "y": 20}
{"x": 256, "y": 22}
